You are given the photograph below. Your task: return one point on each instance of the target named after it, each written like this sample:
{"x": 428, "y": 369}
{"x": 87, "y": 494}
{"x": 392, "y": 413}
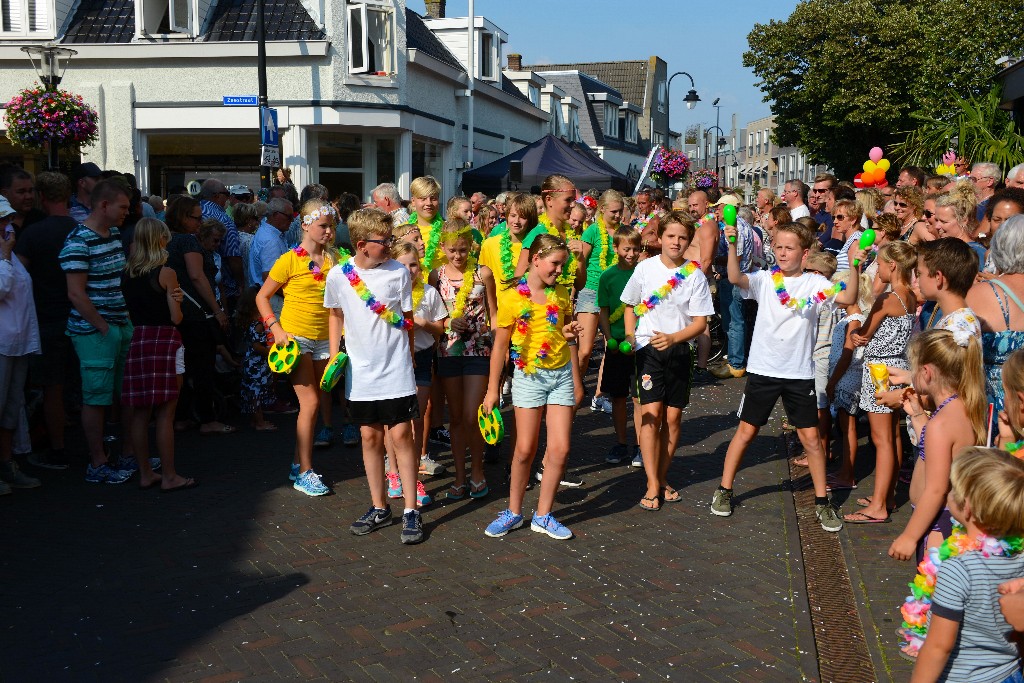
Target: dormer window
{"x": 632, "y": 131}
{"x": 611, "y": 121}
{"x": 574, "y": 125}
{"x": 163, "y": 18}
{"x": 533, "y": 92}
{"x": 371, "y": 37}
{"x": 489, "y": 57}
{"x": 25, "y": 18}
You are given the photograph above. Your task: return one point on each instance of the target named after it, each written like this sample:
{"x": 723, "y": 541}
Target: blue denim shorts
{"x": 543, "y": 388}
{"x": 586, "y": 302}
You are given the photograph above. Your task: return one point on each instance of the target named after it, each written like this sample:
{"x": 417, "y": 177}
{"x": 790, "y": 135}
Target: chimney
{"x": 435, "y": 8}
{"x": 515, "y": 62}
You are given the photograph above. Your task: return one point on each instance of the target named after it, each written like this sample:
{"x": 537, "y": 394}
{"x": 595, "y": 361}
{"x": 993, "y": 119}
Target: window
{"x": 750, "y": 144}
{"x": 163, "y": 17}
{"x": 662, "y": 96}
{"x": 488, "y": 57}
{"x": 557, "y": 121}
{"x": 533, "y": 92}
{"x": 574, "y": 125}
{"x": 371, "y": 38}
{"x": 657, "y": 139}
{"x": 25, "y": 17}
{"x": 611, "y": 121}
{"x": 632, "y": 131}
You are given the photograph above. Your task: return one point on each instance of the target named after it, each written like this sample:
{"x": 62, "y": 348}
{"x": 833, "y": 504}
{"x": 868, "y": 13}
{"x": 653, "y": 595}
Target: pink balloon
{"x": 875, "y": 154}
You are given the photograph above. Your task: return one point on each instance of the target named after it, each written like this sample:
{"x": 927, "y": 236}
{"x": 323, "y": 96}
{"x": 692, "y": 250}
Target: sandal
{"x": 861, "y": 518}
{"x": 650, "y": 504}
{"x": 670, "y": 495}
{"x": 456, "y": 492}
{"x": 800, "y": 461}
{"x": 478, "y": 489}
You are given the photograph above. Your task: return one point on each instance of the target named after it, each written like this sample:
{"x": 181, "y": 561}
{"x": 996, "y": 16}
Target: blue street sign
{"x": 268, "y": 127}
{"x": 240, "y": 100}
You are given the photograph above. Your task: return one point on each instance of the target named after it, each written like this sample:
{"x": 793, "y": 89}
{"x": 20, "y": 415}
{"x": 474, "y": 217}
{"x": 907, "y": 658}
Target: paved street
{"x": 246, "y": 579}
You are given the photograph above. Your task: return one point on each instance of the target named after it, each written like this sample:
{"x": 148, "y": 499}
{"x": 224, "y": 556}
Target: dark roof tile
{"x": 419, "y": 37}
{"x": 284, "y": 19}
{"x": 102, "y": 21}
{"x": 628, "y": 77}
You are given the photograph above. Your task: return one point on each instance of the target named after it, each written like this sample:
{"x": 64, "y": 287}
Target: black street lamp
{"x": 691, "y": 99}
{"x": 47, "y": 61}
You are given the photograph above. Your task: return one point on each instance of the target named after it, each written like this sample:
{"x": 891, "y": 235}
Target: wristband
{"x": 918, "y": 414}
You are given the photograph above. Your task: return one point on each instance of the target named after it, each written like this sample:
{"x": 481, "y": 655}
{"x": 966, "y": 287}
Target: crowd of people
{"x": 897, "y": 306}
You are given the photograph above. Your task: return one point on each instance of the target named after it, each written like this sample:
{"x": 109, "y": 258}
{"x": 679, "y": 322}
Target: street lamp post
{"x": 718, "y": 114}
{"x": 46, "y": 60}
{"x": 691, "y": 99}
{"x": 718, "y": 142}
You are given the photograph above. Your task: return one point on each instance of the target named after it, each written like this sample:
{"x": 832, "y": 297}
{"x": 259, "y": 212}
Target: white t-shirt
{"x": 431, "y": 308}
{"x": 783, "y": 341}
{"x": 799, "y": 212}
{"x": 380, "y": 365}
{"x": 692, "y": 297}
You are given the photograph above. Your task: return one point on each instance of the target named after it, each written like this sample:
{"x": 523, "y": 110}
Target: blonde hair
{"x": 609, "y": 196}
{"x": 865, "y": 293}
{"x": 888, "y": 224}
{"x": 991, "y": 481}
{"x": 823, "y": 262}
{"x": 870, "y": 202}
{"x": 399, "y": 249}
{"x": 425, "y": 186}
{"x": 903, "y": 256}
{"x": 455, "y": 229}
{"x": 543, "y": 245}
{"x": 525, "y": 206}
{"x": 312, "y": 205}
{"x": 365, "y": 223}
{"x": 853, "y": 209}
{"x": 959, "y": 368}
{"x": 1013, "y": 381}
{"x": 149, "y": 248}
{"x": 403, "y": 229}
{"x": 453, "y": 203}
{"x": 962, "y": 199}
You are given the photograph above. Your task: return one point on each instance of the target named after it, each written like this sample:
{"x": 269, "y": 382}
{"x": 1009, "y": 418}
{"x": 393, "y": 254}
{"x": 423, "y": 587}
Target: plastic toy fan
{"x": 282, "y": 358}
{"x": 867, "y": 240}
{"x": 492, "y": 427}
{"x": 729, "y": 216}
{"x": 333, "y": 372}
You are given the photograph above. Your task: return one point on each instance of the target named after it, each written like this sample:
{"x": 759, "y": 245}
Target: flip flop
{"x": 267, "y": 427}
{"x": 840, "y": 486}
{"x": 669, "y": 491}
{"x": 864, "y": 519}
{"x": 189, "y": 484}
{"x": 864, "y": 502}
{"x": 649, "y": 508}
{"x": 150, "y": 485}
{"x": 796, "y": 461}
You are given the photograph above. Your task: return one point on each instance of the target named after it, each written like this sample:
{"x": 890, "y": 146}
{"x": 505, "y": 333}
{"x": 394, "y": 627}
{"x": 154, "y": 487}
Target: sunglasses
{"x": 901, "y": 205}
{"x": 928, "y": 214}
{"x": 840, "y": 217}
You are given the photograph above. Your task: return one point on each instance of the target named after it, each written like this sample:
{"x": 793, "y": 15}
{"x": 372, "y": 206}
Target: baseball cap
{"x": 87, "y": 170}
{"x": 5, "y": 207}
{"x": 728, "y": 199}
{"x": 239, "y": 191}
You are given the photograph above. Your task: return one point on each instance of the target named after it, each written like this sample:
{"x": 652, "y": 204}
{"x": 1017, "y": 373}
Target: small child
{"x": 967, "y": 633}
{"x": 370, "y": 297}
{"x": 1011, "y": 417}
{"x": 425, "y": 200}
{"x": 619, "y": 366}
{"x": 780, "y": 363}
{"x": 257, "y": 381}
{"x": 946, "y": 270}
{"x": 668, "y": 302}
{"x": 824, "y": 264}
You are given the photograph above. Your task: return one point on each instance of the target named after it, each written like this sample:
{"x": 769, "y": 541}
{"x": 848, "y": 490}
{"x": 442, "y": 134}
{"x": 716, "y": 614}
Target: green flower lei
{"x": 569, "y": 272}
{"x": 606, "y": 250}
{"x": 430, "y": 251}
{"x": 508, "y": 269}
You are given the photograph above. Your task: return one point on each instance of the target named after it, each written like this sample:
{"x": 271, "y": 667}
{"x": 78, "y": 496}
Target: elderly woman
{"x": 908, "y": 205}
{"x": 954, "y": 215}
{"x": 19, "y": 338}
{"x": 845, "y": 231}
{"x": 997, "y": 303}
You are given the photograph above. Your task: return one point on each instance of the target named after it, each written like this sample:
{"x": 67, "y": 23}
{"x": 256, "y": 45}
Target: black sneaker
{"x": 412, "y": 527}
{"x": 441, "y": 437}
{"x": 568, "y": 480}
{"x": 371, "y": 521}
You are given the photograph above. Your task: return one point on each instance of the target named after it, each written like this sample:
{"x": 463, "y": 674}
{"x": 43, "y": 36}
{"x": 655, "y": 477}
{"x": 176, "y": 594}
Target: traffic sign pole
{"x": 261, "y": 69}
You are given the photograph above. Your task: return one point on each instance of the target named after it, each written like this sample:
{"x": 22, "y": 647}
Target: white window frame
{"x": 533, "y": 92}
{"x": 574, "y": 125}
{"x": 662, "y": 96}
{"x": 611, "y": 121}
{"x": 632, "y": 128}
{"x": 492, "y": 53}
{"x": 657, "y": 139}
{"x": 19, "y": 11}
{"x": 178, "y": 27}
{"x": 363, "y": 8}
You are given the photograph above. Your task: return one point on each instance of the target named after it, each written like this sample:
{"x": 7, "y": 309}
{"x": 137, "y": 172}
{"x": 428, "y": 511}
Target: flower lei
{"x": 606, "y": 251}
{"x": 641, "y": 223}
{"x": 917, "y": 605}
{"x": 1014, "y": 449}
{"x": 522, "y": 327}
{"x": 468, "y": 280}
{"x": 569, "y": 272}
{"x": 800, "y": 304}
{"x": 378, "y": 307}
{"x": 430, "y": 250}
{"x": 318, "y": 274}
{"x": 508, "y": 269}
{"x": 617, "y": 314}
{"x": 647, "y": 305}
{"x": 418, "y": 290}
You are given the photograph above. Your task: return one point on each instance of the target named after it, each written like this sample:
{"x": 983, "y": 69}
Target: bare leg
{"x": 453, "y": 390}
{"x": 586, "y": 341}
{"x": 305, "y": 422}
{"x": 137, "y": 432}
{"x": 815, "y": 458}
{"x": 619, "y": 419}
{"x": 741, "y": 440}
{"x": 373, "y": 463}
{"x": 652, "y": 416}
{"x": 848, "y": 444}
{"x": 559, "y": 423}
{"x": 408, "y": 462}
{"x": 703, "y": 348}
{"x": 885, "y": 457}
{"x": 165, "y": 444}
{"x": 92, "y": 425}
{"x": 668, "y": 442}
{"x": 473, "y": 389}
{"x": 527, "y": 434}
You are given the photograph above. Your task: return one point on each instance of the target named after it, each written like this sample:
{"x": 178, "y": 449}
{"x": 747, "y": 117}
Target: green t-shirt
{"x": 530, "y": 236}
{"x": 609, "y": 289}
{"x": 592, "y": 236}
{"x": 498, "y": 229}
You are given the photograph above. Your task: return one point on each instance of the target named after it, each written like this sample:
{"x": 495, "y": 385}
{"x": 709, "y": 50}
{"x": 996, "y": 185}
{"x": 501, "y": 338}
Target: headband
{"x": 325, "y": 211}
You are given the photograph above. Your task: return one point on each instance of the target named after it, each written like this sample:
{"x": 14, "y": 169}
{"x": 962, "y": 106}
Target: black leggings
{"x": 200, "y": 355}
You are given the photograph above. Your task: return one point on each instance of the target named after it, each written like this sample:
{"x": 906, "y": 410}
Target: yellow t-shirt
{"x": 303, "y": 313}
{"x": 490, "y": 256}
{"x": 510, "y": 304}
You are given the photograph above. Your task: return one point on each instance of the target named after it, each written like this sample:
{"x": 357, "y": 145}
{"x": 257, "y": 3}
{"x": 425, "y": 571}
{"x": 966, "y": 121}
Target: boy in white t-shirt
{"x": 780, "y": 363}
{"x": 370, "y": 297}
{"x": 667, "y": 303}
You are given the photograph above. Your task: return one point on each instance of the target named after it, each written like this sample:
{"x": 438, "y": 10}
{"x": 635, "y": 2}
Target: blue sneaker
{"x": 310, "y": 484}
{"x": 105, "y": 474}
{"x": 372, "y": 519}
{"x": 412, "y": 527}
{"x": 394, "y": 485}
{"x": 324, "y": 437}
{"x": 294, "y": 473}
{"x": 506, "y": 522}
{"x": 638, "y": 459}
{"x": 130, "y": 463}
{"x": 422, "y": 497}
{"x": 547, "y": 524}
{"x": 350, "y": 435}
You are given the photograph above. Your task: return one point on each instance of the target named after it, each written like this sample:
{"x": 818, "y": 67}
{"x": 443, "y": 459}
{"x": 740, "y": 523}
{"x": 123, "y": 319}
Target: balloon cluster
{"x": 874, "y": 170}
{"x": 948, "y": 165}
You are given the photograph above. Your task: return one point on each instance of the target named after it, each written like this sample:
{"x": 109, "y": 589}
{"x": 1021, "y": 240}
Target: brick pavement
{"x": 246, "y": 579}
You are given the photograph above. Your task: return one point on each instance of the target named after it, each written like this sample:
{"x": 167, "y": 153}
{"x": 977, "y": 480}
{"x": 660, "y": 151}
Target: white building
{"x": 365, "y": 91}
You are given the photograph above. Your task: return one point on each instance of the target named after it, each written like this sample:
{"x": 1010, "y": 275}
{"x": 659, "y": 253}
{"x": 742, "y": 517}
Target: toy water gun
{"x": 867, "y": 240}
{"x": 729, "y": 216}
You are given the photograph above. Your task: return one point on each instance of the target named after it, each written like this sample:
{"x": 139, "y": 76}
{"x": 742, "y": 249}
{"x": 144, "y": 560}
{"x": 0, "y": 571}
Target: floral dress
{"x": 257, "y": 385}
{"x": 475, "y": 341}
{"x": 996, "y": 347}
{"x": 888, "y": 346}
{"x": 847, "y": 392}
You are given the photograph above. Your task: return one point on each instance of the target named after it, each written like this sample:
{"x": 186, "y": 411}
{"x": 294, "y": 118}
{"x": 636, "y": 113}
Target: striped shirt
{"x": 966, "y": 592}
{"x": 102, "y": 260}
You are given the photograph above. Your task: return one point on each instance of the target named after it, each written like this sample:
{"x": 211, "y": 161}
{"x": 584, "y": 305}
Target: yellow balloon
{"x": 883, "y": 164}
{"x": 869, "y": 166}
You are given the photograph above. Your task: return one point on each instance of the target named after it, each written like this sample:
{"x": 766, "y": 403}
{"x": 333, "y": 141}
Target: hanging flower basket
{"x": 670, "y": 165}
{"x": 36, "y": 116}
{"x": 703, "y": 178}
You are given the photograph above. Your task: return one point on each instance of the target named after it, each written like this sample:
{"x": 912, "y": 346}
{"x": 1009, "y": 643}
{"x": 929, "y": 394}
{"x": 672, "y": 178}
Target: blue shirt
{"x": 230, "y": 246}
{"x": 267, "y": 246}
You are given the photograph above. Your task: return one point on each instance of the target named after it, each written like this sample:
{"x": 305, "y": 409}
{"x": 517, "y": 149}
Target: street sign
{"x": 268, "y": 127}
{"x": 240, "y": 100}
{"x": 270, "y": 156}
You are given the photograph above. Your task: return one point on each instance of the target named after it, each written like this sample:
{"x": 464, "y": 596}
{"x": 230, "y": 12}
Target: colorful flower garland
{"x": 641, "y": 223}
{"x": 684, "y": 271}
{"x": 917, "y": 605}
{"x": 318, "y": 274}
{"x": 433, "y": 240}
{"x": 325, "y": 211}
{"x": 378, "y": 307}
{"x": 606, "y": 250}
{"x": 1014, "y": 449}
{"x": 522, "y": 327}
{"x": 779, "y": 280}
{"x": 569, "y": 271}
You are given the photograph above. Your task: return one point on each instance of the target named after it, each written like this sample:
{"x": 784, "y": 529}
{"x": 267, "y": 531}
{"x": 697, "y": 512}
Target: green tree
{"x": 845, "y": 75}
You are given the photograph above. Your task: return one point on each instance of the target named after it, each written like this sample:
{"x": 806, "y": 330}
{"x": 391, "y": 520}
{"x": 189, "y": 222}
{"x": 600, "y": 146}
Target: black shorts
{"x": 798, "y": 398}
{"x": 618, "y": 371}
{"x": 664, "y": 376}
{"x": 460, "y": 366}
{"x": 387, "y": 412}
{"x": 424, "y": 366}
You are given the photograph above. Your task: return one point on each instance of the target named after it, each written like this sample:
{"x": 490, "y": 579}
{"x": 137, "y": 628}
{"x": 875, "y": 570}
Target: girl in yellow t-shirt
{"x": 301, "y": 273}
{"x": 535, "y": 327}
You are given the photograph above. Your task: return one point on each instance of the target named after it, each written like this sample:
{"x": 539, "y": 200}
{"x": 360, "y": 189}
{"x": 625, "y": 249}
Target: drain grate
{"x": 838, "y": 633}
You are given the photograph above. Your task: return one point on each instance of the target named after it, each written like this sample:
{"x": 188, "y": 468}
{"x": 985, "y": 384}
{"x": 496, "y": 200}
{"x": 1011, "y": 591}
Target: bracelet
{"x": 269, "y": 321}
{"x": 923, "y": 412}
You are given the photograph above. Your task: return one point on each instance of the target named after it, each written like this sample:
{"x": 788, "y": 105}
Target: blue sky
{"x": 707, "y": 40}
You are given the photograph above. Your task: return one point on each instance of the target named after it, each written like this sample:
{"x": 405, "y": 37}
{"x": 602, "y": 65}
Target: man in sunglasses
{"x": 819, "y": 199}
